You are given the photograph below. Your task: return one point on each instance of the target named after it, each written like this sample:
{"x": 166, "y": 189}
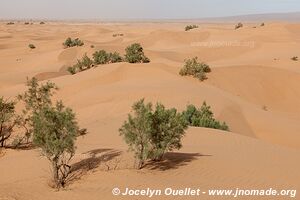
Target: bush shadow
{"x": 173, "y": 160}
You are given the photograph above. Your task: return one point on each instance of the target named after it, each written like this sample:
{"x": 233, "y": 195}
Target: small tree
{"x": 35, "y": 98}
{"x": 150, "y": 134}
{"x": 135, "y": 54}
{"x": 194, "y": 68}
{"x": 167, "y": 130}
{"x": 55, "y": 132}
{"x": 8, "y": 120}
{"x": 203, "y": 117}
{"x": 137, "y": 131}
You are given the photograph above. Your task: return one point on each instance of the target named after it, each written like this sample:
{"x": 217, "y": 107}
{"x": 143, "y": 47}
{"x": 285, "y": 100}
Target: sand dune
{"x": 254, "y": 88}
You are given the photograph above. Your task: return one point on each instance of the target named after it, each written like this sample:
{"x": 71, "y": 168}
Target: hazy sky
{"x": 135, "y": 9}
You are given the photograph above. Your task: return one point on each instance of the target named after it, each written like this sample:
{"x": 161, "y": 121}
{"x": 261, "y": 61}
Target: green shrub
{"x": 84, "y": 64}
{"x": 72, "y": 43}
{"x": 150, "y": 134}
{"x": 55, "y": 131}
{"x": 135, "y": 54}
{"x": 8, "y": 120}
{"x": 35, "y": 98}
{"x": 101, "y": 57}
{"x": 194, "y": 68}
{"x": 203, "y": 117}
{"x": 31, "y": 46}
{"x": 239, "y": 25}
{"x": 295, "y": 58}
{"x": 189, "y": 27}
{"x": 115, "y": 57}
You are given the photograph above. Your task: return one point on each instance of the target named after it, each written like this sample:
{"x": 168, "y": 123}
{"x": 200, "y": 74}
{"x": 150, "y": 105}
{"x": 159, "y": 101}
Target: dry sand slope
{"x": 254, "y": 72}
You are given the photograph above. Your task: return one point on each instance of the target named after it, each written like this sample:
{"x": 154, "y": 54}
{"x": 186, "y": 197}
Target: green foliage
{"x": 8, "y": 120}
{"x": 295, "y": 58}
{"x": 203, "y": 117}
{"x": 189, "y": 27}
{"x": 31, "y": 46}
{"x": 84, "y": 64}
{"x": 135, "y": 54}
{"x": 167, "y": 130}
{"x": 150, "y": 134}
{"x": 55, "y": 132}
{"x": 35, "y": 98}
{"x": 72, "y": 43}
{"x": 101, "y": 57}
{"x": 194, "y": 68}
{"x": 239, "y": 25}
{"x": 115, "y": 57}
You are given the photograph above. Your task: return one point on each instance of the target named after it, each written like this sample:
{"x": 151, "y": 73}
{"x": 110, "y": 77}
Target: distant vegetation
{"x": 118, "y": 35}
{"x": 10, "y": 23}
{"x": 295, "y": 58}
{"x": 203, "y": 117}
{"x": 135, "y": 54}
{"x": 31, "y": 46}
{"x": 26, "y": 23}
{"x": 150, "y": 133}
{"x": 239, "y": 25}
{"x": 262, "y": 24}
{"x": 103, "y": 57}
{"x": 193, "y": 67}
{"x": 72, "y": 43}
{"x": 190, "y": 27}
{"x": 84, "y": 64}
{"x": 42, "y": 22}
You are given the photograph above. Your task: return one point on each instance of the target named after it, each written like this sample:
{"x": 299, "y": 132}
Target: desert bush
{"x": 167, "y": 130}
{"x": 42, "y": 23}
{"x": 72, "y": 43}
{"x": 239, "y": 25}
{"x": 31, "y": 46}
{"x": 26, "y": 23}
{"x": 194, "y": 68}
{"x": 115, "y": 57}
{"x": 35, "y": 98}
{"x": 135, "y": 54}
{"x": 295, "y": 58}
{"x": 92, "y": 46}
{"x": 55, "y": 131}
{"x": 203, "y": 117}
{"x": 10, "y": 23}
{"x": 118, "y": 35}
{"x": 8, "y": 120}
{"x": 262, "y": 24}
{"x": 101, "y": 57}
{"x": 190, "y": 27}
{"x": 150, "y": 134}
{"x": 84, "y": 64}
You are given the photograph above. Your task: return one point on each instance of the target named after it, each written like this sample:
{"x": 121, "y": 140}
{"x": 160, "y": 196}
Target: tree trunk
{"x": 55, "y": 172}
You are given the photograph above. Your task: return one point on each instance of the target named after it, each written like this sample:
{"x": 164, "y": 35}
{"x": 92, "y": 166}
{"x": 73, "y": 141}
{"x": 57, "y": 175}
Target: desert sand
{"x": 254, "y": 87}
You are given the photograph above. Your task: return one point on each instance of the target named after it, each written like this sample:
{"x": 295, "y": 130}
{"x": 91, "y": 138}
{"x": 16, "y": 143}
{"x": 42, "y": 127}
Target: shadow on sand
{"x": 173, "y": 160}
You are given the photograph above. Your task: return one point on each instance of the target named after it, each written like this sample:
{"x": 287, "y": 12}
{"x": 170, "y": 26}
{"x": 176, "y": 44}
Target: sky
{"x": 140, "y": 9}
